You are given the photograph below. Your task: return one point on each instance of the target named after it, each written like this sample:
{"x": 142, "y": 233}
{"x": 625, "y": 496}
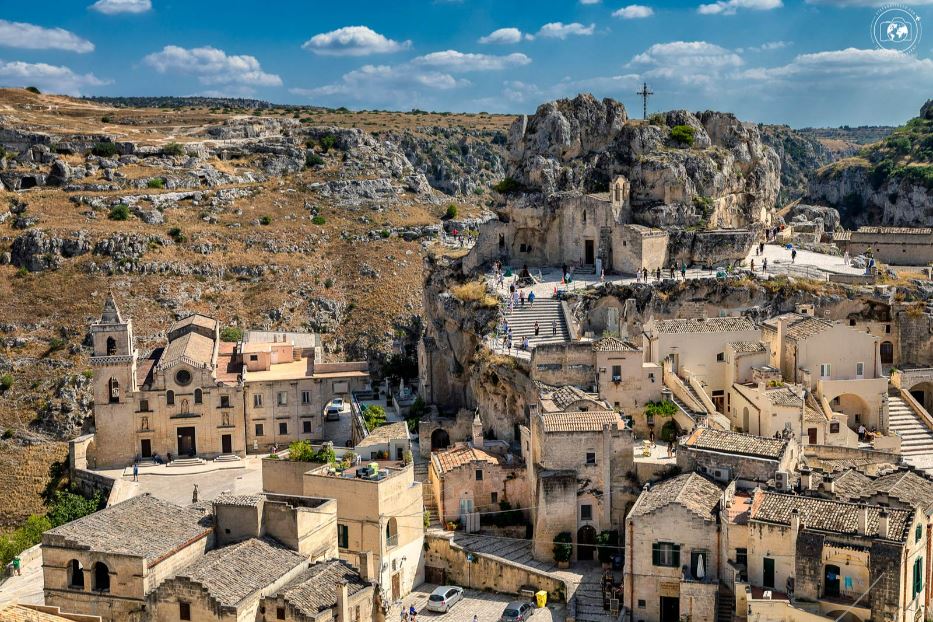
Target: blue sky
{"x": 800, "y": 62}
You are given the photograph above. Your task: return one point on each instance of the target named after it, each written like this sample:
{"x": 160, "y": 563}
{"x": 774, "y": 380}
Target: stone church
{"x": 201, "y": 397}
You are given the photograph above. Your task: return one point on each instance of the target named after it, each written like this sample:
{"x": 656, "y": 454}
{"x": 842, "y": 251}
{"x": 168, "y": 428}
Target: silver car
{"x": 517, "y": 611}
{"x": 444, "y": 597}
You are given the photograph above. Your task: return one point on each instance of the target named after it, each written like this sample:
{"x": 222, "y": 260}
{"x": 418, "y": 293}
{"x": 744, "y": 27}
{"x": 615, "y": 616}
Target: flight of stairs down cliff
{"x": 916, "y": 437}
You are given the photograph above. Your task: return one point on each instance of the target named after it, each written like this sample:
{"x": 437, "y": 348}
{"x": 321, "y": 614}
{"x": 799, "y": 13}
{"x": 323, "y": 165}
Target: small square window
{"x": 225, "y": 401}
{"x": 253, "y": 357}
{"x": 280, "y": 613}
{"x": 283, "y": 427}
{"x": 343, "y": 536}
{"x": 641, "y": 603}
{"x": 184, "y": 611}
{"x": 479, "y": 475}
{"x": 586, "y": 512}
{"x": 259, "y": 430}
{"x": 257, "y": 400}
{"x": 494, "y": 497}
{"x": 306, "y": 397}
{"x": 721, "y": 357}
{"x": 834, "y": 427}
{"x": 283, "y": 398}
{"x": 306, "y": 427}
{"x": 590, "y": 458}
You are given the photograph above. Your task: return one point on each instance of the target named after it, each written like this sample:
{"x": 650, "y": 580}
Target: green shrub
{"x": 173, "y": 149}
{"x": 328, "y": 282}
{"x": 231, "y": 333}
{"x": 302, "y": 451}
{"x": 683, "y": 134}
{"x": 313, "y": 159}
{"x": 563, "y": 546}
{"x": 106, "y": 119}
{"x": 661, "y": 408}
{"x": 327, "y": 142}
{"x": 104, "y": 150}
{"x": 385, "y": 233}
{"x": 6, "y": 381}
{"x": 374, "y": 416}
{"x": 176, "y": 234}
{"x": 56, "y": 344}
{"x": 22, "y": 272}
{"x": 88, "y": 373}
{"x": 265, "y": 220}
{"x": 119, "y": 212}
{"x": 156, "y": 183}
{"x": 608, "y": 543}
{"x": 451, "y": 212}
{"x": 318, "y": 220}
{"x": 508, "y": 186}
{"x": 68, "y": 506}
{"x": 33, "y": 89}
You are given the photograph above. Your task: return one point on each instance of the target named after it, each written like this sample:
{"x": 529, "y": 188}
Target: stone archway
{"x": 586, "y": 543}
{"x": 855, "y": 407}
{"x": 923, "y": 393}
{"x": 440, "y": 439}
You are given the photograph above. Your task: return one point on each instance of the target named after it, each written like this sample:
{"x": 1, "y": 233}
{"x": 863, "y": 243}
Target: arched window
{"x": 75, "y": 575}
{"x": 101, "y": 577}
{"x": 392, "y": 532}
{"x": 170, "y": 398}
{"x": 111, "y": 346}
{"x": 198, "y": 396}
{"x": 113, "y": 391}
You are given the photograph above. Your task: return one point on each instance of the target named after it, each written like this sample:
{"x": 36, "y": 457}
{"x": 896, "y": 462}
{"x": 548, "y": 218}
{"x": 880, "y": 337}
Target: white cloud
{"x": 454, "y": 61}
{"x": 505, "y": 36}
{"x": 32, "y": 37}
{"x": 399, "y": 86}
{"x": 729, "y": 7}
{"x": 559, "y": 30}
{"x": 853, "y": 67}
{"x": 869, "y": 3}
{"x": 634, "y": 11}
{"x": 768, "y": 46}
{"x": 687, "y": 54}
{"x": 113, "y": 7}
{"x": 211, "y": 66}
{"x": 54, "y": 78}
{"x": 353, "y": 41}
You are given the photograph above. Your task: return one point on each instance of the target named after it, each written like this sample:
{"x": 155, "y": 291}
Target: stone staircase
{"x": 227, "y": 458}
{"x": 544, "y": 311}
{"x": 589, "y": 597}
{"x": 427, "y": 495}
{"x": 517, "y": 551}
{"x": 725, "y": 604}
{"x": 916, "y": 437}
{"x": 186, "y": 462}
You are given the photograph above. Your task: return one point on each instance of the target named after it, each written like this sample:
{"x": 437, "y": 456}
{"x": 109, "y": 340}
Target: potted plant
{"x": 563, "y": 549}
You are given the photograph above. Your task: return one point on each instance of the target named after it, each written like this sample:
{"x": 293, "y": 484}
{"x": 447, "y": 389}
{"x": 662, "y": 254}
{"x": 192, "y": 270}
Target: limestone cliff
{"x": 717, "y": 172}
{"x": 888, "y": 183}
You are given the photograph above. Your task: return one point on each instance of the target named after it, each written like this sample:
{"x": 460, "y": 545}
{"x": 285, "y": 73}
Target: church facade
{"x": 200, "y": 396}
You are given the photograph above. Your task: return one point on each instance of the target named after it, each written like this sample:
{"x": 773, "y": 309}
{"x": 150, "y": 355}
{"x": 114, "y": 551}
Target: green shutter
{"x": 656, "y": 554}
{"x": 675, "y": 556}
{"x": 918, "y": 576}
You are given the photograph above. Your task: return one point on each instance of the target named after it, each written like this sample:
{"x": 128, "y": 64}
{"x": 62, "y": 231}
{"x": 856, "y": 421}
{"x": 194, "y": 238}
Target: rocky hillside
{"x": 887, "y": 183}
{"x": 304, "y": 219}
{"x": 801, "y": 156}
{"x": 686, "y": 169}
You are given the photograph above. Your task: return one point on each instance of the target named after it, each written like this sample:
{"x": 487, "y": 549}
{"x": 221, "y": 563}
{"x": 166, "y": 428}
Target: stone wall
{"x": 710, "y": 248}
{"x": 443, "y": 555}
{"x": 561, "y": 364}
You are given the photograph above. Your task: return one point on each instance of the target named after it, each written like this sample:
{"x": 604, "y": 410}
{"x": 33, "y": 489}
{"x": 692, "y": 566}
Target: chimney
{"x": 366, "y": 566}
{"x": 829, "y": 483}
{"x": 806, "y": 478}
{"x": 477, "y": 432}
{"x": 795, "y": 522}
{"x": 883, "y": 524}
{"x": 343, "y": 602}
{"x": 863, "y": 520}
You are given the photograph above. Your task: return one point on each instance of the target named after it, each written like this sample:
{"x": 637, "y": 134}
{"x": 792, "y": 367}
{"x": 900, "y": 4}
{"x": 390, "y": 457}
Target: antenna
{"x": 644, "y": 93}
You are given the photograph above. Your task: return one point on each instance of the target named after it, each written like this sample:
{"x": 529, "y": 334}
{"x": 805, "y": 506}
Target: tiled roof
{"x": 614, "y": 344}
{"x": 234, "y": 572}
{"x": 195, "y": 319}
{"x": 907, "y": 486}
{"x": 315, "y": 590}
{"x": 704, "y": 325}
{"x": 460, "y": 455}
{"x": 896, "y": 230}
{"x": 826, "y": 514}
{"x": 799, "y": 326}
{"x": 12, "y": 612}
{"x": 588, "y": 421}
{"x": 748, "y": 347}
{"x": 851, "y": 484}
{"x": 143, "y": 526}
{"x": 737, "y": 443}
{"x": 565, "y": 396}
{"x": 842, "y": 236}
{"x": 238, "y": 500}
{"x": 691, "y": 491}
{"x": 195, "y": 346}
{"x": 386, "y": 433}
{"x": 783, "y": 396}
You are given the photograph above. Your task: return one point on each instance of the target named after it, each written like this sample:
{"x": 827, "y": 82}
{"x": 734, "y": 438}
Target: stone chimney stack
{"x": 795, "y": 522}
{"x": 343, "y": 602}
{"x": 477, "y": 436}
{"x": 863, "y": 520}
{"x": 366, "y": 566}
{"x": 883, "y": 524}
{"x": 806, "y": 478}
{"x": 829, "y": 484}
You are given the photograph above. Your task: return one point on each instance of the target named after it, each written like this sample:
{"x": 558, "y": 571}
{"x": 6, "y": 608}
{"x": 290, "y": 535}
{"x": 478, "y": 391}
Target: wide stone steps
{"x": 186, "y": 462}
{"x": 725, "y": 605}
{"x": 515, "y": 551}
{"x": 916, "y": 437}
{"x": 546, "y": 312}
{"x": 227, "y": 458}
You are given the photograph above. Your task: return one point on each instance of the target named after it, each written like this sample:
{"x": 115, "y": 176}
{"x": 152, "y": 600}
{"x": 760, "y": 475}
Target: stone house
{"x": 672, "y": 556}
{"x": 840, "y": 365}
{"x": 199, "y": 396}
{"x": 328, "y": 591}
{"x": 624, "y": 380}
{"x": 829, "y": 557}
{"x": 726, "y": 456}
{"x": 897, "y": 246}
{"x": 380, "y": 512}
{"x": 577, "y": 465}
{"x": 107, "y": 563}
{"x": 387, "y": 442}
{"x": 593, "y": 231}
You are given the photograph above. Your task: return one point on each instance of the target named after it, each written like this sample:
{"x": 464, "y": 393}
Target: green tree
{"x": 67, "y": 506}
{"x": 327, "y": 142}
{"x": 374, "y": 416}
{"x": 156, "y": 183}
{"x": 451, "y": 212}
{"x": 119, "y": 212}
{"x": 231, "y": 333}
{"x": 33, "y": 89}
{"x": 104, "y": 150}
{"x": 173, "y": 149}
{"x": 265, "y": 220}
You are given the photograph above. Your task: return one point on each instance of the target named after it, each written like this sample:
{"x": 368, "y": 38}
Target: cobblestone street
{"x": 487, "y": 607}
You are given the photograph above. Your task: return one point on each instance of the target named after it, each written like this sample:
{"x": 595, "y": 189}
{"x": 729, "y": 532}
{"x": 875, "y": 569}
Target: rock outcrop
{"x": 727, "y": 176}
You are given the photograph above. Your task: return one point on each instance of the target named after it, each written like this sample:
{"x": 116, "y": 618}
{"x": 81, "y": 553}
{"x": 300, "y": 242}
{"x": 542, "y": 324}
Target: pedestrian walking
{"x": 135, "y": 472}
{"x": 17, "y": 566}
{"x": 602, "y": 275}
{"x": 657, "y": 273}
{"x": 673, "y": 272}
{"x": 644, "y": 273}
{"x": 521, "y": 297}
{"x": 761, "y": 248}
{"x": 554, "y": 328}
{"x": 753, "y": 265}
{"x": 194, "y": 494}
{"x": 793, "y": 255}
{"x": 683, "y": 270}
{"x": 764, "y": 264}
{"x": 537, "y": 328}
{"x": 845, "y": 258}
{"x": 531, "y": 298}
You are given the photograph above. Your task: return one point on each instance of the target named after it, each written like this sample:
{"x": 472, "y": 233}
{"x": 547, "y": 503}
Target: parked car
{"x": 444, "y": 597}
{"x": 334, "y": 409}
{"x": 517, "y": 611}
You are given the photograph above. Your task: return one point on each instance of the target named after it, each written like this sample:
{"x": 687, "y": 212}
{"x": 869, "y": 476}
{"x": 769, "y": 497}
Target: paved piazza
{"x": 488, "y": 607}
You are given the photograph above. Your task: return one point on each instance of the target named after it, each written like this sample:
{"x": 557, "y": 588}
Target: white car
{"x": 444, "y": 597}
{"x": 334, "y": 409}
